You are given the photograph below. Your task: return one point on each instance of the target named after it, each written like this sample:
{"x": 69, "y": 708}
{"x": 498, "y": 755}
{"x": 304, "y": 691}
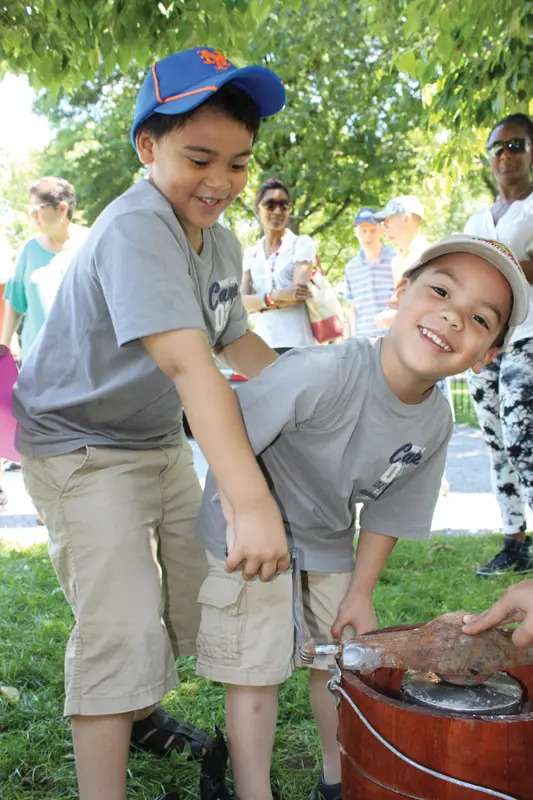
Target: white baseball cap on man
{"x": 496, "y": 254}
{"x": 404, "y": 204}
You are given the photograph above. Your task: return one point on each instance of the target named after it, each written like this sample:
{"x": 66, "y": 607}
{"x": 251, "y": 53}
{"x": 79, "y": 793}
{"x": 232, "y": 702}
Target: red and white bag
{"x": 324, "y": 309}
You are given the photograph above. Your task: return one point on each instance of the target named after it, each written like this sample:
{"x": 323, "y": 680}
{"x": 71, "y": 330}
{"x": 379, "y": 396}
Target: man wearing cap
{"x": 368, "y": 276}
{"x": 401, "y": 219}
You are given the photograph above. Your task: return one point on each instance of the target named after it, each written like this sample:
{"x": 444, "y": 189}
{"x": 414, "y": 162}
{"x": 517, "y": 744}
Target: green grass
{"x": 422, "y": 580}
{"x": 462, "y": 403}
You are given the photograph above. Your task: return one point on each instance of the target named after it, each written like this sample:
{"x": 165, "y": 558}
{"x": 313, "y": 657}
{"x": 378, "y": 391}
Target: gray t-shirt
{"x": 329, "y": 433}
{"x": 88, "y": 380}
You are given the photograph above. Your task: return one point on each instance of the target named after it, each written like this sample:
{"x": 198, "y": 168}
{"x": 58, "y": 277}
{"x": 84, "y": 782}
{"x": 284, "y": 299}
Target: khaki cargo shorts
{"x": 124, "y": 543}
{"x": 247, "y": 633}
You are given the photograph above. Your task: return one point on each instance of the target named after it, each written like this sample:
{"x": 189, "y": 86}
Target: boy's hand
{"x": 356, "y": 611}
{"x": 259, "y": 543}
{"x": 515, "y": 605}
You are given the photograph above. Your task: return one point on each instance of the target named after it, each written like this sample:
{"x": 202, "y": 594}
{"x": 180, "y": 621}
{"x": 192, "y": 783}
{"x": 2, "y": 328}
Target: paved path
{"x": 469, "y": 506}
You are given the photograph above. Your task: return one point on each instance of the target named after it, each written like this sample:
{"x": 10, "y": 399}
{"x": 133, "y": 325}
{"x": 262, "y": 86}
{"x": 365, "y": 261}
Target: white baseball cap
{"x": 496, "y": 254}
{"x": 405, "y": 204}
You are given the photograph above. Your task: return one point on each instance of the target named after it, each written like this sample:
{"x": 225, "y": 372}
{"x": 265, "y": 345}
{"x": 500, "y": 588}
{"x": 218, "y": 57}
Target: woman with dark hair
{"x": 28, "y": 291}
{"x": 502, "y": 392}
{"x": 276, "y": 273}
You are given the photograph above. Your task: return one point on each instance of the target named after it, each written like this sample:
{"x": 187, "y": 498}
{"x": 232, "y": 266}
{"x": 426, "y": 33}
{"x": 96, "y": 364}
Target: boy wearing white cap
{"x": 358, "y": 422}
{"x": 128, "y": 341}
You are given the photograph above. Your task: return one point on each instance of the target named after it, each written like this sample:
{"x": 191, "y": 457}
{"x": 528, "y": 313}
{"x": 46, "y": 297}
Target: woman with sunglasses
{"x": 502, "y": 392}
{"x": 276, "y": 272}
{"x": 52, "y": 203}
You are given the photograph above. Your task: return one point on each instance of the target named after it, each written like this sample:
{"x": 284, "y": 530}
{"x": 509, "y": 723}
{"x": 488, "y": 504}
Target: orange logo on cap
{"x": 499, "y": 246}
{"x": 215, "y": 59}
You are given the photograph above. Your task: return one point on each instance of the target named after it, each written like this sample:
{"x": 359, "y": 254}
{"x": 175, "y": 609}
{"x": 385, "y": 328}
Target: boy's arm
{"x": 260, "y": 543}
{"x": 357, "y": 609}
{"x": 248, "y": 355}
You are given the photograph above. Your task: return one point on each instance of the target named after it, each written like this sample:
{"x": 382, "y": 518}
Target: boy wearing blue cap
{"x": 368, "y": 276}
{"x": 152, "y": 293}
{"x": 355, "y": 423}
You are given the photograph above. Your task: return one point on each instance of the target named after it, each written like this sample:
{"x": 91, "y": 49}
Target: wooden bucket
{"x": 492, "y": 754}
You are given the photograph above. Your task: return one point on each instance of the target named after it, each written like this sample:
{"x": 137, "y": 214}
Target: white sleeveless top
{"x": 514, "y": 229}
{"x": 280, "y": 327}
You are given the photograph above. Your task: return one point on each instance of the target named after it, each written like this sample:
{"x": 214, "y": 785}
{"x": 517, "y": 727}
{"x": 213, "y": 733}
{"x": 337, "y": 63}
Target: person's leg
{"x": 102, "y": 507}
{"x": 322, "y": 594}
{"x": 246, "y": 640}
{"x": 184, "y": 567}
{"x": 104, "y": 739}
{"x": 181, "y": 551}
{"x": 325, "y": 714}
{"x": 485, "y": 390}
{"x": 516, "y": 412}
{"x": 251, "y": 717}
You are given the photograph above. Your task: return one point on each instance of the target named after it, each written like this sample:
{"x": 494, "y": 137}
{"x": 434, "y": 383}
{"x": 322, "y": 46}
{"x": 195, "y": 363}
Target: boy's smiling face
{"x": 449, "y": 318}
{"x": 200, "y": 168}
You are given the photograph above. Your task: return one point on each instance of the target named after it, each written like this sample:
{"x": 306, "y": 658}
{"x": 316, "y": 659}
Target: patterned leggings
{"x": 503, "y": 399}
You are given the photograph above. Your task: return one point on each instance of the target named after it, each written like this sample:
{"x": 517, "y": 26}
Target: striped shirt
{"x": 369, "y": 285}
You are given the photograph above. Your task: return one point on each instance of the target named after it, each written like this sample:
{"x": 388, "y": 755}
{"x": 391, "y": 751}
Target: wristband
{"x": 268, "y": 302}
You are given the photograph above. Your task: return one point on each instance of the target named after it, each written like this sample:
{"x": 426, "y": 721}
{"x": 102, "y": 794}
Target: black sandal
{"x": 160, "y": 733}
{"x": 213, "y": 771}
{"x": 326, "y": 791}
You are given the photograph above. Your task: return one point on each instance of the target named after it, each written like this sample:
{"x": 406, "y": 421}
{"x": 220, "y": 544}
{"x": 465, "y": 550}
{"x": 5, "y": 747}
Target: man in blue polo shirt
{"x": 368, "y": 276}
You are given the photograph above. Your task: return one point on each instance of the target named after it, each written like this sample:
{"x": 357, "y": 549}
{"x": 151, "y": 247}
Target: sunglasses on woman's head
{"x": 515, "y": 145}
{"x": 270, "y": 205}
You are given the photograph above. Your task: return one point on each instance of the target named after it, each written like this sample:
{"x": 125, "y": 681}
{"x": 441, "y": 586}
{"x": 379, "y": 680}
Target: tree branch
{"x": 331, "y": 219}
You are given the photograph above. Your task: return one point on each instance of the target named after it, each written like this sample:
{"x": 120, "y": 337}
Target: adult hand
{"x": 296, "y": 293}
{"x": 515, "y": 605}
{"x": 355, "y": 612}
{"x": 259, "y": 542}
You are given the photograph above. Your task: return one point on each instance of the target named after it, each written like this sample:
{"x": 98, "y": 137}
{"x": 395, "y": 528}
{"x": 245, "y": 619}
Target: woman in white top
{"x": 276, "y": 272}
{"x": 503, "y": 391}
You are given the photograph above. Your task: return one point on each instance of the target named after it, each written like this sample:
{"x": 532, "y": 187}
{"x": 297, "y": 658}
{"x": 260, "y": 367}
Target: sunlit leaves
{"x": 59, "y": 44}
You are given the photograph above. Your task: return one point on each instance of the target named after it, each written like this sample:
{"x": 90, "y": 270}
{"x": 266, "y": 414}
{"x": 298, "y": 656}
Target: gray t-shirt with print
{"x": 329, "y": 433}
{"x": 88, "y": 380}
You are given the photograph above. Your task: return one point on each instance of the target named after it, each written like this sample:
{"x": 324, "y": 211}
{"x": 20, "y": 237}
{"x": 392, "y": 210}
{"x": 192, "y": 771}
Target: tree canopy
{"x": 59, "y": 44}
{"x": 374, "y": 89}
{"x": 341, "y": 139}
{"x": 472, "y": 59}
{"x": 351, "y": 133}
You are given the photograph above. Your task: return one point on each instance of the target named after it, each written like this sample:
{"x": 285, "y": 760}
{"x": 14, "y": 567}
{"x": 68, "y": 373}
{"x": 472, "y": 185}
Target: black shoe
{"x": 515, "y": 557}
{"x": 171, "y": 796}
{"x": 213, "y": 771}
{"x": 326, "y": 791}
{"x": 3, "y": 498}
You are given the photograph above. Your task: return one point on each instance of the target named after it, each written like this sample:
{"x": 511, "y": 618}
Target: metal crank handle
{"x": 307, "y": 647}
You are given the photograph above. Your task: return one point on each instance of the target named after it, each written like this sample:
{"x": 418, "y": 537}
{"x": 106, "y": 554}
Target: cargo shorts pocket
{"x": 223, "y": 603}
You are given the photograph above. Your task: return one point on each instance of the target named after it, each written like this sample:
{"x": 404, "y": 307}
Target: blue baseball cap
{"x": 365, "y": 215}
{"x": 185, "y": 80}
